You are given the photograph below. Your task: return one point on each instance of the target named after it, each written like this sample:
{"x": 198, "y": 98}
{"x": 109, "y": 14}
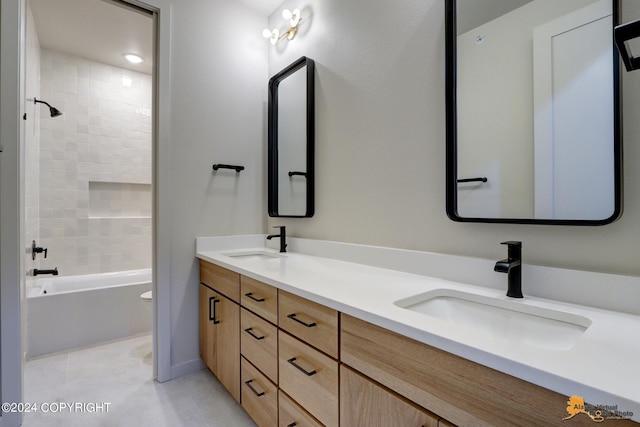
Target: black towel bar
{"x": 483, "y": 179}
{"x": 221, "y": 166}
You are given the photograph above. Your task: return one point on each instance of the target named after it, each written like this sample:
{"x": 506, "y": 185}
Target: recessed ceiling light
{"x": 133, "y": 58}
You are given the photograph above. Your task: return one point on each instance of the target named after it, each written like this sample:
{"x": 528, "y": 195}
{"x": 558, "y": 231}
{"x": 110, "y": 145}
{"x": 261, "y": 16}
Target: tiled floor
{"x": 120, "y": 373}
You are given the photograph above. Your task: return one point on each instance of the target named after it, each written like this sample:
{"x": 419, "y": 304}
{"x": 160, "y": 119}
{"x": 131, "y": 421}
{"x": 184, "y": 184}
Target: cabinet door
{"x": 227, "y": 345}
{"x": 207, "y": 328}
{"x": 365, "y": 403}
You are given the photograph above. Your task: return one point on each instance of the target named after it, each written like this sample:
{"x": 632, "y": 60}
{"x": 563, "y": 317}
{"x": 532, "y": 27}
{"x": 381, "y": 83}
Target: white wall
{"x": 218, "y": 109}
{"x": 380, "y": 156}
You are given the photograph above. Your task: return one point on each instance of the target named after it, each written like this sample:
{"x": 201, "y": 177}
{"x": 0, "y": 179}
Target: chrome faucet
{"x": 282, "y": 236}
{"x": 513, "y": 267}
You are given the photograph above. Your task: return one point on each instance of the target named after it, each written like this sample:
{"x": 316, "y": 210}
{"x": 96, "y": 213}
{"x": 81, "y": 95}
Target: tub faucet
{"x": 513, "y": 267}
{"x": 282, "y": 236}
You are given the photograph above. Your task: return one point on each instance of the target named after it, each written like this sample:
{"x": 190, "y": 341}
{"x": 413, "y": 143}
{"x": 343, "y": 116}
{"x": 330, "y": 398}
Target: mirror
{"x": 292, "y": 140}
{"x": 533, "y": 112}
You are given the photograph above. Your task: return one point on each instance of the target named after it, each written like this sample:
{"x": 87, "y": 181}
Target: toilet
{"x": 146, "y": 296}
{"x": 146, "y": 300}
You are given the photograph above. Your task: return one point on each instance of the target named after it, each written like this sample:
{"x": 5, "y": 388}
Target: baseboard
{"x": 186, "y": 368}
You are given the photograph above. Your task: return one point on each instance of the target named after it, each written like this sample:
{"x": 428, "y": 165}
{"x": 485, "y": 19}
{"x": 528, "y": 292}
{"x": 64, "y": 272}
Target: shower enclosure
{"x": 88, "y": 163}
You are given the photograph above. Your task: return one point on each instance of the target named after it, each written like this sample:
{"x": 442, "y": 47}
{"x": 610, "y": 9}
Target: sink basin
{"x": 501, "y": 322}
{"x": 254, "y": 255}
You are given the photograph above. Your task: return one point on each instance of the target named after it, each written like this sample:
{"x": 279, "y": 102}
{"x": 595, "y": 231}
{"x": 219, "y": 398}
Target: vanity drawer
{"x": 259, "y": 396}
{"x": 457, "y": 389}
{"x": 260, "y": 298}
{"x": 313, "y": 323}
{"x": 291, "y": 413}
{"x": 310, "y": 378}
{"x": 222, "y": 280}
{"x": 259, "y": 343}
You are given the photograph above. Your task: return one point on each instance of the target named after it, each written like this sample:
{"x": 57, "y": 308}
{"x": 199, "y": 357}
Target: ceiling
{"x": 103, "y": 31}
{"x": 97, "y": 30}
{"x": 471, "y": 14}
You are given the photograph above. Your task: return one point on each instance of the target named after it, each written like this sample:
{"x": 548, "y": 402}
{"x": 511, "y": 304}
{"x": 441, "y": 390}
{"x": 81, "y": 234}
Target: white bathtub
{"x": 77, "y": 311}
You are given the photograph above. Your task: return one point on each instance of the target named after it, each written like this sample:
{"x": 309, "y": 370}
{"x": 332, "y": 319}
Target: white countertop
{"x": 603, "y": 366}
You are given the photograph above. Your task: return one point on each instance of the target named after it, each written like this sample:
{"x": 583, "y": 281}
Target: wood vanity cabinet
{"x": 366, "y": 403}
{"x": 294, "y": 362}
{"x": 220, "y": 327}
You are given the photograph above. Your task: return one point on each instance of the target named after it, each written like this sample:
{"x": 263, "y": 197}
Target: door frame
{"x": 12, "y": 255}
{"x": 11, "y": 282}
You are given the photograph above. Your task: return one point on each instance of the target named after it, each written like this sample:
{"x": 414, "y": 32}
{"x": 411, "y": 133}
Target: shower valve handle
{"x": 37, "y": 250}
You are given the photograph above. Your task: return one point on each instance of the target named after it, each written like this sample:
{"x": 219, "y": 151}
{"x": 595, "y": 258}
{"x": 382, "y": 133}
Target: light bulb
{"x": 266, "y": 33}
{"x": 275, "y": 36}
{"x": 294, "y": 18}
{"x": 286, "y": 14}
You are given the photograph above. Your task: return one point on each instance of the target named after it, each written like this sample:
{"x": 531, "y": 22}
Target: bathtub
{"x": 78, "y": 311}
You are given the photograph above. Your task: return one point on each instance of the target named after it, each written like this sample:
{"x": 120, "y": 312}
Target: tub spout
{"x": 37, "y": 272}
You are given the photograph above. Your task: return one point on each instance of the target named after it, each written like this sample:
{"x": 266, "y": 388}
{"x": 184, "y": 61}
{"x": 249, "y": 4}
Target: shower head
{"x": 52, "y": 110}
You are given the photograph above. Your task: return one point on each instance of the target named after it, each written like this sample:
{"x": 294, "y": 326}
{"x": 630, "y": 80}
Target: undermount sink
{"x": 254, "y": 255}
{"x": 501, "y": 321}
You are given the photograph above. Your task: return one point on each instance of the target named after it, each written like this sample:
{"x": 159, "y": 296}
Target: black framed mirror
{"x": 533, "y": 112}
{"x": 291, "y": 161}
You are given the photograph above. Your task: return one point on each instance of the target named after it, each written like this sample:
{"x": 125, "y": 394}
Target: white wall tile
{"x": 103, "y": 135}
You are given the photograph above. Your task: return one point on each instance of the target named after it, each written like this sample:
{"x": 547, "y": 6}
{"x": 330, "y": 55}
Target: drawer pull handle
{"x": 256, "y": 392}
{"x": 292, "y": 316}
{"x": 300, "y": 368}
{"x": 250, "y": 295}
{"x": 248, "y": 330}
{"x": 215, "y": 305}
{"x": 211, "y": 316}
{"x": 293, "y": 424}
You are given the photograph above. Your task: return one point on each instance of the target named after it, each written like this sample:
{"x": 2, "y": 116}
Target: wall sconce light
{"x": 293, "y": 19}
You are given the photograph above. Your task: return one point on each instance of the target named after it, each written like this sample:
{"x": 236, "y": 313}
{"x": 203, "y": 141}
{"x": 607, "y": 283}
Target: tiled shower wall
{"x": 95, "y": 166}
